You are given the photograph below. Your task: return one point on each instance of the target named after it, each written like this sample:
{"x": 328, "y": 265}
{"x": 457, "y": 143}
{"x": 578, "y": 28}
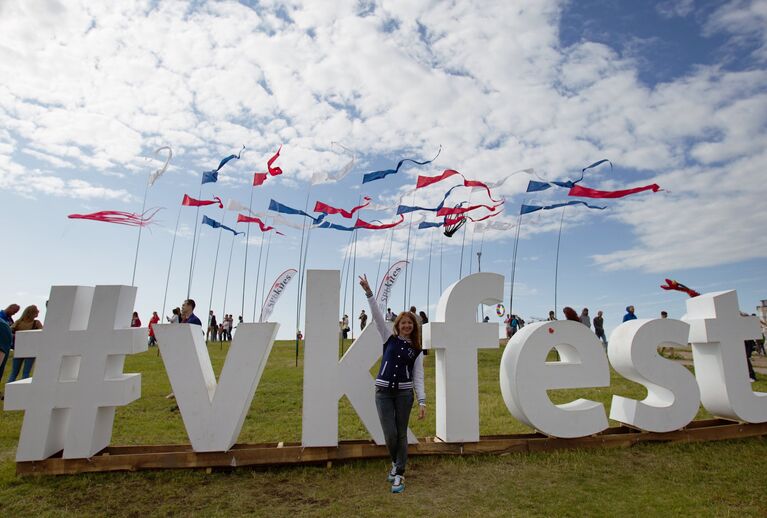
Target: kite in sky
{"x": 677, "y": 286}
{"x": 119, "y": 217}
{"x": 379, "y": 175}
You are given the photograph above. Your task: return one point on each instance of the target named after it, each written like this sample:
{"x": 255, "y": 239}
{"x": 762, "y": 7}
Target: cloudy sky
{"x": 672, "y": 92}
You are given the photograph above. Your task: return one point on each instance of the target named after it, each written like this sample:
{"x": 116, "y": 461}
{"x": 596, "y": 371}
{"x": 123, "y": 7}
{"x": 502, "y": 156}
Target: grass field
{"x": 709, "y": 479}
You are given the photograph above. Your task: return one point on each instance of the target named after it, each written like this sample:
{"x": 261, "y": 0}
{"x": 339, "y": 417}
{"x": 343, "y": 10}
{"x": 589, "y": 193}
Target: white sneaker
{"x": 398, "y": 486}
{"x": 392, "y": 473}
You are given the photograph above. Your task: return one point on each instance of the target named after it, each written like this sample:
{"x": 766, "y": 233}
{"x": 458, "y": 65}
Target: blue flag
{"x": 378, "y": 175}
{"x": 527, "y": 209}
{"x": 215, "y": 224}
{"x": 284, "y": 209}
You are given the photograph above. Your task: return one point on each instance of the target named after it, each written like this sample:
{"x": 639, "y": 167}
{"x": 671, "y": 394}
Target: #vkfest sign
{"x": 78, "y": 382}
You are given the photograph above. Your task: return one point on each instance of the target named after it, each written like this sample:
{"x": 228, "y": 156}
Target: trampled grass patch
{"x": 704, "y": 479}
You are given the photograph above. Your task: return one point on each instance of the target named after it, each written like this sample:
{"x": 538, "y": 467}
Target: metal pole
{"x": 170, "y": 262}
{"x": 247, "y": 246}
{"x": 138, "y": 241}
{"x": 556, "y": 264}
{"x": 194, "y": 241}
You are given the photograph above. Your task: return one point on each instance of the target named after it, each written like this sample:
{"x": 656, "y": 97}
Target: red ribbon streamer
{"x": 585, "y": 192}
{"x": 327, "y": 209}
{"x": 452, "y": 211}
{"x": 259, "y": 179}
{"x": 424, "y": 181}
{"x": 676, "y": 286}
{"x": 491, "y": 215}
{"x": 365, "y": 224}
{"x": 274, "y": 171}
{"x": 188, "y": 201}
{"x": 241, "y": 218}
{"x": 119, "y": 217}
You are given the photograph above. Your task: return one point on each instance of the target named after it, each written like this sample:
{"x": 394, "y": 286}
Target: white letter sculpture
{"x": 78, "y": 380}
{"x": 673, "y": 397}
{"x": 456, "y": 335}
{"x": 717, "y": 332}
{"x": 526, "y": 376}
{"x": 213, "y": 414}
{"x": 326, "y": 379}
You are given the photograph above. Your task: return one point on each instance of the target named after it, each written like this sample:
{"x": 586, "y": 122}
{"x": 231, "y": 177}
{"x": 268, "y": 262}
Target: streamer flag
{"x": 494, "y": 225}
{"x": 387, "y": 283}
{"x": 157, "y": 174}
{"x": 678, "y": 286}
{"x": 348, "y": 214}
{"x": 235, "y": 205}
{"x": 274, "y": 294}
{"x": 430, "y": 224}
{"x": 424, "y": 181}
{"x": 327, "y": 224}
{"x": 378, "y": 175}
{"x": 241, "y": 218}
{"x": 535, "y": 186}
{"x": 364, "y": 224}
{"x": 215, "y": 224}
{"x": 212, "y": 176}
{"x": 259, "y": 179}
{"x": 276, "y": 206}
{"x": 274, "y": 171}
{"x": 452, "y": 211}
{"x": 495, "y": 185}
{"x": 527, "y": 209}
{"x": 336, "y": 176}
{"x": 585, "y": 192}
{"x": 404, "y": 209}
{"x": 188, "y": 201}
{"x": 119, "y": 217}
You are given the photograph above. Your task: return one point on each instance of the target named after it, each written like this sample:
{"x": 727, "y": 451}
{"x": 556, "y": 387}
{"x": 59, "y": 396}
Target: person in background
{"x": 152, "y": 321}
{"x": 486, "y": 320}
{"x": 135, "y": 320}
{"x": 345, "y": 327}
{"x": 424, "y": 318}
{"x": 389, "y": 315}
{"x": 6, "y": 338}
{"x": 212, "y": 327}
{"x": 27, "y": 322}
{"x": 585, "y": 319}
{"x": 664, "y": 314}
{"x": 363, "y": 320}
{"x": 176, "y": 318}
{"x": 629, "y": 314}
{"x": 187, "y": 313}
{"x": 6, "y": 315}
{"x": 599, "y": 327}
{"x": 552, "y": 316}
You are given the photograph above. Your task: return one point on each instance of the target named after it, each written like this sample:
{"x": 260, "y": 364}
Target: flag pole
{"x": 514, "y": 263}
{"x": 258, "y": 275}
{"x": 301, "y": 270}
{"x": 266, "y": 269}
{"x": 428, "y": 274}
{"x": 247, "y": 246}
{"x": 194, "y": 241}
{"x": 556, "y": 264}
{"x": 228, "y": 269}
{"x": 463, "y": 240}
{"x": 138, "y": 241}
{"x": 170, "y": 263}
{"x": 215, "y": 265}
{"x": 407, "y": 257}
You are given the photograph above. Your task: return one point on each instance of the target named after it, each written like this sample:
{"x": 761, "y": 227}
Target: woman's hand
{"x": 365, "y": 285}
{"x": 421, "y": 412}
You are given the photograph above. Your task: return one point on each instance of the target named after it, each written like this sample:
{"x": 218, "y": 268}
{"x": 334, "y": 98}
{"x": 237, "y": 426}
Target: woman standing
{"x": 135, "y": 321}
{"x": 401, "y": 371}
{"x": 27, "y": 322}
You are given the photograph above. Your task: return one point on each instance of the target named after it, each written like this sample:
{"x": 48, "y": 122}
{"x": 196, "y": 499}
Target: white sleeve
{"x": 420, "y": 392}
{"x": 383, "y": 328}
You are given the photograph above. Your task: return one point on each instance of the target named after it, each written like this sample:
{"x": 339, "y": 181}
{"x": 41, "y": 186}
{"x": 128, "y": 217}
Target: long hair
{"x": 415, "y": 336}
{"x": 27, "y": 320}
{"x": 570, "y": 314}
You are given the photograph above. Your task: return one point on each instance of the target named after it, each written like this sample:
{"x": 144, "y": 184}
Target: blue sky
{"x": 671, "y": 92}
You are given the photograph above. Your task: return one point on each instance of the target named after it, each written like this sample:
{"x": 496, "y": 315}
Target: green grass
{"x": 709, "y": 479}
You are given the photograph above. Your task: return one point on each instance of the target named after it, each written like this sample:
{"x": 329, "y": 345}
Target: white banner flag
{"x": 274, "y": 294}
{"x": 384, "y": 290}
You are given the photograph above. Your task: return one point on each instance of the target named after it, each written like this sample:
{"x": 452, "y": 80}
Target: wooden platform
{"x": 134, "y": 458}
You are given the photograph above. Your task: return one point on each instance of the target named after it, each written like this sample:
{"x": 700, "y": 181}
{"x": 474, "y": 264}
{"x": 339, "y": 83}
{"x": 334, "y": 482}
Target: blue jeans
{"x": 16, "y": 366}
{"x": 394, "y": 412}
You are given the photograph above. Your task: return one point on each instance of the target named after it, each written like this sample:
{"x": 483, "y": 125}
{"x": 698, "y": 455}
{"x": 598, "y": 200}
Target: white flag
{"x": 274, "y": 294}
{"x": 157, "y": 174}
{"x": 382, "y": 297}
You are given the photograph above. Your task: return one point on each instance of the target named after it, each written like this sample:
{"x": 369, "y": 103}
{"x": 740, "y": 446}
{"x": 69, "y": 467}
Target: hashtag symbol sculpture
{"x": 78, "y": 381}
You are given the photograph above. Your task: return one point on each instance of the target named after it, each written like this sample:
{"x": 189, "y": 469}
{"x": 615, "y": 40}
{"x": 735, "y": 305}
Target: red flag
{"x": 241, "y": 218}
{"x": 119, "y": 217}
{"x": 327, "y": 209}
{"x": 452, "y": 211}
{"x": 424, "y": 181}
{"x": 274, "y": 171}
{"x": 585, "y": 192}
{"x": 259, "y": 179}
{"x": 188, "y": 201}
{"x": 365, "y": 224}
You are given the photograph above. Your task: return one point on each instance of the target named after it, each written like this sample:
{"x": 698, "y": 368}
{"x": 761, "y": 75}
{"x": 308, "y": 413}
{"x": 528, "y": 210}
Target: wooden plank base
{"x": 134, "y": 458}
